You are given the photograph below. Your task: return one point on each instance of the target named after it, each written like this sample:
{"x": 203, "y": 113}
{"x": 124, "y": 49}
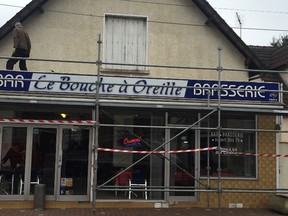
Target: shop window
{"x": 127, "y": 133}
{"x": 125, "y": 42}
{"x": 182, "y": 166}
{"x": 232, "y": 143}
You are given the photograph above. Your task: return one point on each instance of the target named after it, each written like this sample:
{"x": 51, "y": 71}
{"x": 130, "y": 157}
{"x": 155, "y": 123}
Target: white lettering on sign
{"x": 227, "y": 136}
{"x": 10, "y": 81}
{"x": 231, "y": 90}
{"x": 227, "y": 151}
{"x": 108, "y": 85}
{"x": 167, "y": 88}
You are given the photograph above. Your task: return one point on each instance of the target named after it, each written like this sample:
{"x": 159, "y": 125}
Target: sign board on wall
{"x": 138, "y": 86}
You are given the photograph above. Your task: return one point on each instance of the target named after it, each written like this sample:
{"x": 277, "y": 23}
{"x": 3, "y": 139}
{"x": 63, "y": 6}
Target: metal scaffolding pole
{"x": 208, "y": 168}
{"x": 197, "y": 189}
{"x": 145, "y": 65}
{"x": 96, "y": 129}
{"x": 219, "y": 70}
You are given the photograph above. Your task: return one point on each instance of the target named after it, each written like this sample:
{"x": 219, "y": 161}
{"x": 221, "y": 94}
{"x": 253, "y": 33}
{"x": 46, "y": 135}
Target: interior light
{"x": 63, "y": 115}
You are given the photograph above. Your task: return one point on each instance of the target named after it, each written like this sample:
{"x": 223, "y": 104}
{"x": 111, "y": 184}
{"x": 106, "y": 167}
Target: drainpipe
{"x": 279, "y": 120}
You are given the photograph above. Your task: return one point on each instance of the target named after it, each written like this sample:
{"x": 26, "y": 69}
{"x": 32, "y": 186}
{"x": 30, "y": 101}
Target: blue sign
{"x": 251, "y": 91}
{"x": 15, "y": 81}
{"x": 136, "y": 86}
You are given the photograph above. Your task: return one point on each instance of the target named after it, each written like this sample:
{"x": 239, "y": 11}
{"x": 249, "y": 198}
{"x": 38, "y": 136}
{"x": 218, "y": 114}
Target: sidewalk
{"x": 138, "y": 212}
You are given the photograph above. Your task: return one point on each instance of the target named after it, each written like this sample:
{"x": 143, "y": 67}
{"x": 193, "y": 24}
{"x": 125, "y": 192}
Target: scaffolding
{"x": 215, "y": 108}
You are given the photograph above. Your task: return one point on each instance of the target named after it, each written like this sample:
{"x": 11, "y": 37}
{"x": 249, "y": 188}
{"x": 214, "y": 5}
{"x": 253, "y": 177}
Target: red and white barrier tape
{"x": 90, "y": 122}
{"x": 70, "y": 122}
{"x": 262, "y": 155}
{"x": 156, "y": 152}
{"x": 186, "y": 151}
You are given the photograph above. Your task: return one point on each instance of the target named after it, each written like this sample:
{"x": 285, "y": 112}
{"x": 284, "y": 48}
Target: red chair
{"x": 122, "y": 180}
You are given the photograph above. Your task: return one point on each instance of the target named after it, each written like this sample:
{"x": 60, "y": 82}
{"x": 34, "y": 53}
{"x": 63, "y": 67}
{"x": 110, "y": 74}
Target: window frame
{"x": 245, "y": 133}
{"x": 124, "y": 68}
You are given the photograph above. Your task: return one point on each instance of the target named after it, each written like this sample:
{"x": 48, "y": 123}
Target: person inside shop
{"x": 16, "y": 156}
{"x": 21, "y": 47}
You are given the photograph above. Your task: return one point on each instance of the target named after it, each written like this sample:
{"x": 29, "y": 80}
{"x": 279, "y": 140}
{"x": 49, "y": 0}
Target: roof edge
{"x": 22, "y": 15}
{"x": 229, "y": 33}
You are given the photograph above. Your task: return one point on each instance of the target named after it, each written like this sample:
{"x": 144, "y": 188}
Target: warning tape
{"x": 226, "y": 152}
{"x": 261, "y": 155}
{"x": 186, "y": 151}
{"x": 90, "y": 122}
{"x": 69, "y": 122}
{"x": 156, "y": 152}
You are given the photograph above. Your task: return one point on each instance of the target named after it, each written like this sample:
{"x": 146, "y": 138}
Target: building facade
{"x": 275, "y": 58}
{"x": 129, "y": 78}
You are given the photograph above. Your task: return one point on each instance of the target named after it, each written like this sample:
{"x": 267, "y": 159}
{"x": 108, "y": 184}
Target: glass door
{"x": 43, "y": 159}
{"x": 13, "y": 160}
{"x": 73, "y": 164}
{"x": 182, "y": 166}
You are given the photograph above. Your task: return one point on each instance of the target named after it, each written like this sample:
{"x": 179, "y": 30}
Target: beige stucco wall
{"x": 284, "y": 127}
{"x": 283, "y": 150}
{"x": 177, "y": 35}
{"x": 284, "y": 75}
{"x": 283, "y": 143}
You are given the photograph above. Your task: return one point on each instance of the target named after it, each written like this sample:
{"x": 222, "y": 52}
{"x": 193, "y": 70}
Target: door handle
{"x": 60, "y": 159}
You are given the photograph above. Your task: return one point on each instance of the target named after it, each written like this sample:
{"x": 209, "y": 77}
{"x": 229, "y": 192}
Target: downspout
{"x": 279, "y": 120}
{"x": 278, "y": 123}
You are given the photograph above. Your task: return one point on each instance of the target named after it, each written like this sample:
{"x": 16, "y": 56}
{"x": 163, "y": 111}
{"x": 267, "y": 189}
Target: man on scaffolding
{"x": 21, "y": 47}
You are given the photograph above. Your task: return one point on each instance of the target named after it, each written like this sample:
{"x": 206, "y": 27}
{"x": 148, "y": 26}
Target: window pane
{"x": 232, "y": 142}
{"x": 74, "y": 169}
{"x": 182, "y": 118}
{"x": 130, "y": 138}
{"x": 43, "y": 158}
{"x": 182, "y": 166}
{"x": 13, "y": 160}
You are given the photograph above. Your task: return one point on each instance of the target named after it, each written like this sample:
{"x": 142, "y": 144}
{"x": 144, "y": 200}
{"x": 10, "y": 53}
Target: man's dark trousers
{"x": 22, "y": 63}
